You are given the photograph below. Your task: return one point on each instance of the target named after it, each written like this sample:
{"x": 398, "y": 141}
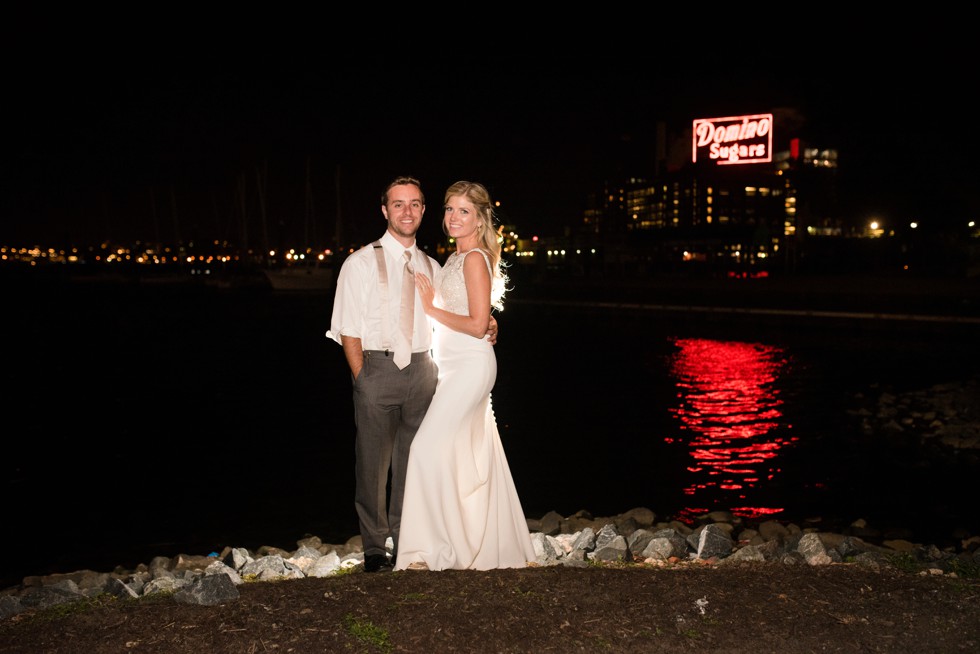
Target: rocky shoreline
{"x": 631, "y": 538}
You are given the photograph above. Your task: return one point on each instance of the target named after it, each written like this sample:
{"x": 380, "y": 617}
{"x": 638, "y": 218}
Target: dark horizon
{"x": 150, "y": 148}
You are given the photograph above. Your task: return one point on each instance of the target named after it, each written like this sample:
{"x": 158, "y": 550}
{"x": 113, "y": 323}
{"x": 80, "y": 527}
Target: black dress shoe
{"x": 376, "y": 563}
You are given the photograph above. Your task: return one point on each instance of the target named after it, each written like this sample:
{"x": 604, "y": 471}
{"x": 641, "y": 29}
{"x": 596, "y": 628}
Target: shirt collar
{"x": 394, "y": 248}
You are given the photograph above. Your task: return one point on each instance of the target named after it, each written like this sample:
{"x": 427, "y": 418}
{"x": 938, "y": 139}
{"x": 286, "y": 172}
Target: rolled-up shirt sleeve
{"x": 352, "y": 299}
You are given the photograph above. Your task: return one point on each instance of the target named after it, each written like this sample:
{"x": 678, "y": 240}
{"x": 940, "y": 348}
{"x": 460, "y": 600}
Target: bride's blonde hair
{"x": 487, "y": 236}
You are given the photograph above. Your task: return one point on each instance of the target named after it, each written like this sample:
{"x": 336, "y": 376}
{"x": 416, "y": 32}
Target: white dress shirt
{"x": 357, "y": 303}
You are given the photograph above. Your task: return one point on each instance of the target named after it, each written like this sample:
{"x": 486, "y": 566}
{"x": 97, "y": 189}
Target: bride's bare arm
{"x": 477, "y": 279}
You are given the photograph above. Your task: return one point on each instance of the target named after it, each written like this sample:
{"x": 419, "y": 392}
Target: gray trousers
{"x": 389, "y": 405}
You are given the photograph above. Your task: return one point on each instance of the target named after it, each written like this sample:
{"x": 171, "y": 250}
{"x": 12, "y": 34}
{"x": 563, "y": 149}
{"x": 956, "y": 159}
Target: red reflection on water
{"x": 729, "y": 404}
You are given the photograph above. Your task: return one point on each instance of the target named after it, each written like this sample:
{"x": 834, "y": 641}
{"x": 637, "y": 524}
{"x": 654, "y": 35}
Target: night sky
{"x": 125, "y": 145}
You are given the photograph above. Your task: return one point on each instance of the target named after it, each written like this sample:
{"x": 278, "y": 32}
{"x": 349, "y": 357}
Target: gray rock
{"x": 677, "y": 541}
{"x": 117, "y": 588}
{"x": 714, "y": 541}
{"x": 586, "y": 540}
{"x": 615, "y": 550}
{"x": 639, "y": 539}
{"x": 544, "y": 549}
{"x": 749, "y": 553}
{"x": 551, "y": 523}
{"x": 42, "y": 597}
{"x": 772, "y": 530}
{"x": 304, "y": 558}
{"x": 219, "y": 568}
{"x": 607, "y": 534}
{"x": 10, "y": 605}
{"x": 237, "y": 558}
{"x": 165, "y": 583}
{"x": 659, "y": 549}
{"x": 325, "y": 566}
{"x": 209, "y": 590}
{"x": 642, "y": 516}
{"x": 813, "y": 550}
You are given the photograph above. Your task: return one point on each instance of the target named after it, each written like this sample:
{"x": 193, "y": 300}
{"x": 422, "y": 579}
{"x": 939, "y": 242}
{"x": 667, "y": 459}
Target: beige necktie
{"x": 406, "y": 317}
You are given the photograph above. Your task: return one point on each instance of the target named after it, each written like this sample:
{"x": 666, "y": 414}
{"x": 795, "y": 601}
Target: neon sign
{"x": 733, "y": 140}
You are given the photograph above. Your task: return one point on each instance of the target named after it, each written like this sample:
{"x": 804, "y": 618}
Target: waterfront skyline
{"x": 153, "y": 148}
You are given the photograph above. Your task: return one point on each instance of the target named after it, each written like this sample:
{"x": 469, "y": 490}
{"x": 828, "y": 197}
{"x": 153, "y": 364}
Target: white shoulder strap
{"x": 486, "y": 259}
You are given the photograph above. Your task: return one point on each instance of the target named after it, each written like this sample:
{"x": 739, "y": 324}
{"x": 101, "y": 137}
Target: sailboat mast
{"x": 338, "y": 223}
{"x": 308, "y": 217}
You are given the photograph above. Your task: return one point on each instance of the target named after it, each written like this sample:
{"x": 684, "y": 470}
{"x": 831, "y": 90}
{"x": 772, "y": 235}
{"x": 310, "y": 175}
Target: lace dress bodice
{"x": 452, "y": 288}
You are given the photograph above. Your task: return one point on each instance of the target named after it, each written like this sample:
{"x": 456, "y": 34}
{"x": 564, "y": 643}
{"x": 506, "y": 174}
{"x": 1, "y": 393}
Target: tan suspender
{"x": 379, "y": 254}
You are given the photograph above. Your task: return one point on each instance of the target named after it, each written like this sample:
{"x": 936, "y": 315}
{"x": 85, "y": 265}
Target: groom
{"x": 389, "y": 402}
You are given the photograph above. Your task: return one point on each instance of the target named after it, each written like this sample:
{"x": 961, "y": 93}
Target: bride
{"x": 461, "y": 508}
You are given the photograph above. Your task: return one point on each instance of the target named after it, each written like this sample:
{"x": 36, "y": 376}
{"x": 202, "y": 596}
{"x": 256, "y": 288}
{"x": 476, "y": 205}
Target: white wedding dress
{"x": 461, "y": 509}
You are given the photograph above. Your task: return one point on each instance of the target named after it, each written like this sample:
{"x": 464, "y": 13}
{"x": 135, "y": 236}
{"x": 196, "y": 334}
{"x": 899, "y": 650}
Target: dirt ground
{"x": 758, "y": 607}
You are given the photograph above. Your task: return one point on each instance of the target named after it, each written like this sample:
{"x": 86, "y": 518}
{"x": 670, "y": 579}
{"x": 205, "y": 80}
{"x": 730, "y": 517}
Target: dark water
{"x": 156, "y": 421}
